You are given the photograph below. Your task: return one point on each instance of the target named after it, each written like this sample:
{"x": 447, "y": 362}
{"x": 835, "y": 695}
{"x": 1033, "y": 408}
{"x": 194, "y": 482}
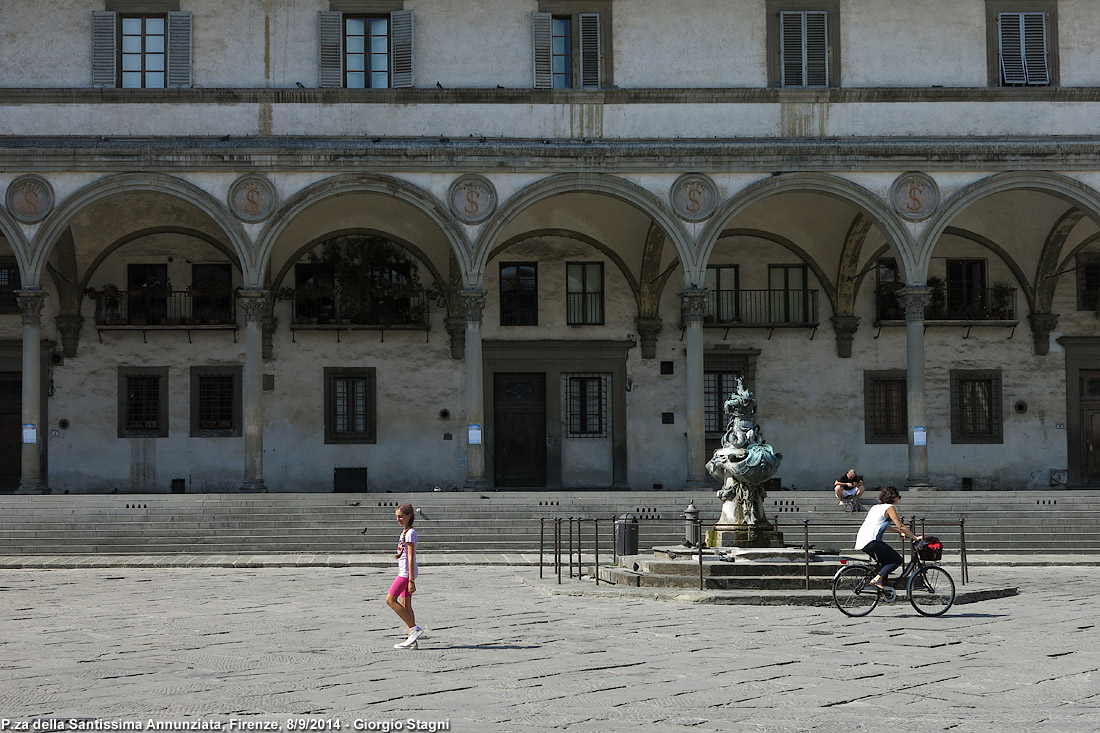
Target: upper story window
{"x": 571, "y": 44}
{"x": 9, "y": 283}
{"x": 366, "y": 44}
{"x": 1088, "y": 281}
{"x": 788, "y": 294}
{"x": 1022, "y": 42}
{"x": 721, "y": 282}
{"x": 803, "y": 43}
{"x": 519, "y": 294}
{"x": 141, "y": 45}
{"x": 584, "y": 293}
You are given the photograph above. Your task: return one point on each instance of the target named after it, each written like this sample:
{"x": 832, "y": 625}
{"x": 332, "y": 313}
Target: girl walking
{"x": 404, "y": 585}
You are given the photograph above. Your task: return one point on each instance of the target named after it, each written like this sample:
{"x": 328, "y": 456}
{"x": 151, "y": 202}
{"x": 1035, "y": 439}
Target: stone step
{"x": 632, "y": 579}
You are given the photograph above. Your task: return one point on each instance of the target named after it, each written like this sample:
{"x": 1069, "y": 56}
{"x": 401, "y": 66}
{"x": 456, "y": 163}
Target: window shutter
{"x": 790, "y": 49}
{"x": 401, "y": 39}
{"x": 331, "y": 28}
{"x": 1035, "y": 48}
{"x": 590, "y": 51}
{"x": 1012, "y": 52}
{"x": 104, "y": 48}
{"x": 817, "y": 49}
{"x": 179, "y": 49}
{"x": 541, "y": 39}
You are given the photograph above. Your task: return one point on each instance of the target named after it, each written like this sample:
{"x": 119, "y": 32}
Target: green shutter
{"x": 401, "y": 45}
{"x": 104, "y": 48}
{"x": 331, "y": 30}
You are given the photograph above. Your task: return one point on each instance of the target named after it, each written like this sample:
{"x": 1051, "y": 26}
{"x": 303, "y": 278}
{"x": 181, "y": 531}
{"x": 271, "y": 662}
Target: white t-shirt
{"x": 408, "y": 537}
{"x": 874, "y": 524}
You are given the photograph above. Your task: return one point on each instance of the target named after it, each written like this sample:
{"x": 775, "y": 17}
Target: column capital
{"x": 254, "y": 304}
{"x": 31, "y": 303}
{"x": 693, "y": 305}
{"x": 1041, "y": 326}
{"x": 68, "y": 327}
{"x": 915, "y": 299}
{"x": 456, "y": 330}
{"x": 473, "y": 302}
{"x": 648, "y": 331}
{"x": 845, "y": 328}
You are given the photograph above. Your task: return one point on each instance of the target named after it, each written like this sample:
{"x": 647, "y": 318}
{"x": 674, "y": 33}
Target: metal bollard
{"x": 692, "y": 528}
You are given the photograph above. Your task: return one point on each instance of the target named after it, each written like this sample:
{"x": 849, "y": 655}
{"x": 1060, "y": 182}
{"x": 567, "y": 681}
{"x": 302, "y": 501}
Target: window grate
{"x": 889, "y": 408}
{"x": 586, "y": 405}
{"x": 216, "y": 401}
{"x": 351, "y": 405}
{"x": 142, "y": 401}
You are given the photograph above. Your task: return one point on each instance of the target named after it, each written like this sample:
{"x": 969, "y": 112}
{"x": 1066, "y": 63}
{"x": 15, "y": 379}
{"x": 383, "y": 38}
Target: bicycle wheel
{"x": 931, "y": 591}
{"x": 852, "y": 591}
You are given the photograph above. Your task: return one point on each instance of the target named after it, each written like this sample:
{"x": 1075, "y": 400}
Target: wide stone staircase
{"x": 1065, "y": 522}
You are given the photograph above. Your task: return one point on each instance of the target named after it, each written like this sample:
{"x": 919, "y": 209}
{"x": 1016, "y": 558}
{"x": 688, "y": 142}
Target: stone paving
{"x": 286, "y": 644}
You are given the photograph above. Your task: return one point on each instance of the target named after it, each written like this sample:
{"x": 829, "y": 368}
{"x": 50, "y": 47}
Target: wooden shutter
{"x": 817, "y": 49}
{"x": 791, "y": 60}
{"x": 590, "y": 51}
{"x": 179, "y": 49}
{"x": 331, "y": 29}
{"x": 1010, "y": 31}
{"x": 1035, "y": 48}
{"x": 104, "y": 48}
{"x": 401, "y": 47}
{"x": 542, "y": 25}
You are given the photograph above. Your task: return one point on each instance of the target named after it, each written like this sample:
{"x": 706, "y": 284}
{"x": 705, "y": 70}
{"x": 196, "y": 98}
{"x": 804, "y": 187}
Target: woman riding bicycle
{"x": 869, "y": 539}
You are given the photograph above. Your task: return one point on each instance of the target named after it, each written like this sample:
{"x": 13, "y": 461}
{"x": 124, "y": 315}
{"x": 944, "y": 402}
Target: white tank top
{"x": 874, "y": 524}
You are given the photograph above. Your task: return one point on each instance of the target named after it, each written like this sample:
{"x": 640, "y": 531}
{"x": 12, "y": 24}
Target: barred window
{"x": 143, "y": 402}
{"x": 720, "y": 372}
{"x": 215, "y": 401}
{"x": 721, "y": 284}
{"x": 350, "y": 405}
{"x": 976, "y": 413}
{"x": 586, "y": 405}
{"x": 885, "y": 407}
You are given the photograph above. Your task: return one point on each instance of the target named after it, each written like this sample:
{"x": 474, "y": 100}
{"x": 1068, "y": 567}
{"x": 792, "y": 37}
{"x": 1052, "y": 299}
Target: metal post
{"x": 580, "y": 558}
{"x": 696, "y": 531}
{"x": 962, "y": 550}
{"x": 569, "y": 532}
{"x": 542, "y": 539}
{"x": 596, "y": 544}
{"x": 806, "y": 549}
{"x": 557, "y": 546}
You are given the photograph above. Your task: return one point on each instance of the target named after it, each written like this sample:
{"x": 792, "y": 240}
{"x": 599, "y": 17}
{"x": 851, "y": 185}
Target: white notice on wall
{"x": 920, "y": 435}
{"x": 30, "y": 432}
{"x": 475, "y": 435}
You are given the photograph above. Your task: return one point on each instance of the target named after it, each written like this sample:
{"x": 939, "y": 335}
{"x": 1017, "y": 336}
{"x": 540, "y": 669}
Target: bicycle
{"x": 930, "y": 588}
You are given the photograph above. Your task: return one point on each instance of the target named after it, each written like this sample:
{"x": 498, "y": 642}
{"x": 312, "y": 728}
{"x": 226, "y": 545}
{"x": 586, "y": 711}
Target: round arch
{"x": 278, "y": 277}
{"x": 827, "y": 185}
{"x": 344, "y": 185}
{"x": 1067, "y": 189}
{"x": 819, "y": 272}
{"x": 105, "y": 188}
{"x": 596, "y": 244}
{"x": 594, "y": 183}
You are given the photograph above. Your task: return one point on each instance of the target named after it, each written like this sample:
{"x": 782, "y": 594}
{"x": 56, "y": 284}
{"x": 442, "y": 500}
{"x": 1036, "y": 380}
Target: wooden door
{"x": 519, "y": 429}
{"x": 11, "y": 434}
{"x": 1090, "y": 427}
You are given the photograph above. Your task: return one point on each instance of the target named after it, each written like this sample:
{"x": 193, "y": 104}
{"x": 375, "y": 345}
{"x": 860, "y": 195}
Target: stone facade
{"x": 911, "y": 166}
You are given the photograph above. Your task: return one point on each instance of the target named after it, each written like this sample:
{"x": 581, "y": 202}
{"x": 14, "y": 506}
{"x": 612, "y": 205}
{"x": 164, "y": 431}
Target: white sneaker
{"x": 406, "y": 645}
{"x": 414, "y": 634}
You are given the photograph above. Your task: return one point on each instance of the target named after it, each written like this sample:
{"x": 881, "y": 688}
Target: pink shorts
{"x": 400, "y": 587}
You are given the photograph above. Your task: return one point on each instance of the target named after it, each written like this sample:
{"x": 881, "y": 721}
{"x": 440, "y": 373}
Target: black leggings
{"x": 887, "y": 557}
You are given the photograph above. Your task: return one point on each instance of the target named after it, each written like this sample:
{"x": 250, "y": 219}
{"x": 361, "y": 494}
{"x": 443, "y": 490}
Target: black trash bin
{"x": 626, "y": 535}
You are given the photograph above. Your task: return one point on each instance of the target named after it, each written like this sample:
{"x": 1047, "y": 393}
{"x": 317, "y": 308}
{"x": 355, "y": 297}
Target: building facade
{"x": 402, "y": 244}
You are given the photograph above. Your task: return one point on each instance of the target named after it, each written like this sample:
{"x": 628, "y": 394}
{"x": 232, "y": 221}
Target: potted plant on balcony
{"x": 107, "y": 302}
{"x": 937, "y": 300}
{"x": 1001, "y": 306}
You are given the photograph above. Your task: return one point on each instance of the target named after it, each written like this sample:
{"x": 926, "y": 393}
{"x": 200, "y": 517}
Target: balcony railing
{"x": 956, "y": 304}
{"x": 761, "y": 308}
{"x": 176, "y": 308}
{"x": 401, "y": 311}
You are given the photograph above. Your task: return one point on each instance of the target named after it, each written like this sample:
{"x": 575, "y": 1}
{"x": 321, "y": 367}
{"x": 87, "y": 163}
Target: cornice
{"x": 868, "y": 95}
{"x": 781, "y": 155}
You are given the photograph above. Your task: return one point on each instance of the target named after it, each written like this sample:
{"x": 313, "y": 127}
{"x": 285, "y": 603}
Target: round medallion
{"x": 473, "y": 199}
{"x": 915, "y": 196}
{"x": 252, "y": 198}
{"x": 30, "y": 199}
{"x": 694, "y": 197}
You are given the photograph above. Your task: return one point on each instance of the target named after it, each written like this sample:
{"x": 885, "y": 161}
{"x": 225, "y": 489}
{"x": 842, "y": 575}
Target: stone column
{"x": 1041, "y": 326}
{"x": 253, "y": 303}
{"x": 30, "y": 306}
{"x": 915, "y": 300}
{"x": 474, "y": 303}
{"x": 693, "y": 304}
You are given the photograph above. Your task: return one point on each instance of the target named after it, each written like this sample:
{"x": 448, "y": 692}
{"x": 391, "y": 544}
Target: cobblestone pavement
{"x": 279, "y": 644}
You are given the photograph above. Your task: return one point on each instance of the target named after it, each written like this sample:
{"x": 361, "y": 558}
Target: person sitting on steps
{"x": 848, "y": 489}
